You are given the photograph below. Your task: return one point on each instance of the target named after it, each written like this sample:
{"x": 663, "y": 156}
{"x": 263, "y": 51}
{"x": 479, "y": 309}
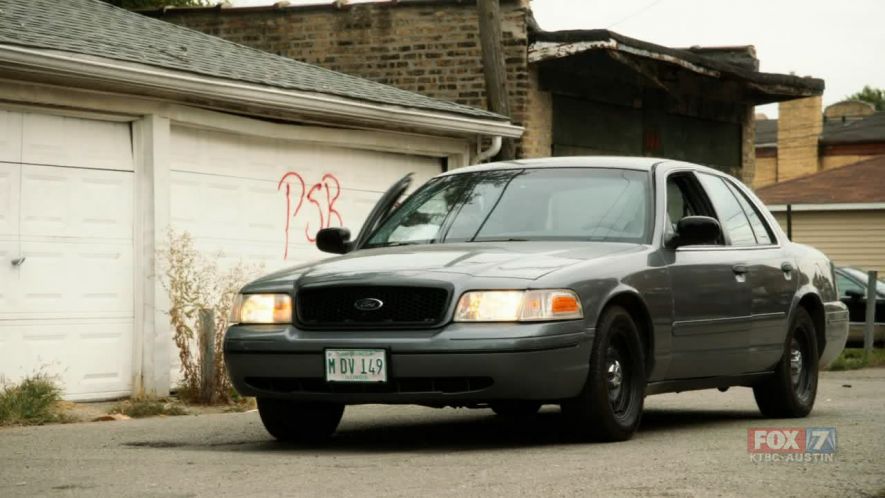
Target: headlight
{"x": 262, "y": 308}
{"x": 518, "y": 306}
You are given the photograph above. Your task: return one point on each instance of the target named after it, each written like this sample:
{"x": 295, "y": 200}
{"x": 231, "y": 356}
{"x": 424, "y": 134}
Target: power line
{"x": 634, "y": 14}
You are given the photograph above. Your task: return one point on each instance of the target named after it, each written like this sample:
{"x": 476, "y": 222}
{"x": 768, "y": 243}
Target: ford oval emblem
{"x": 368, "y": 304}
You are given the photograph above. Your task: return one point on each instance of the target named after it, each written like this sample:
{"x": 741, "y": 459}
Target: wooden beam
{"x": 493, "y": 64}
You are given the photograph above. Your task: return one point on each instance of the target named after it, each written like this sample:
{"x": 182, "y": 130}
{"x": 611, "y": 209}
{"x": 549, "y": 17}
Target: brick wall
{"x": 431, "y": 49}
{"x": 799, "y": 126}
{"x": 766, "y": 171}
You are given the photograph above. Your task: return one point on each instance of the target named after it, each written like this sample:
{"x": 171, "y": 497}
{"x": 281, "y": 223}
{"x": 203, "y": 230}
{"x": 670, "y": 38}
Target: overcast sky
{"x": 842, "y": 41}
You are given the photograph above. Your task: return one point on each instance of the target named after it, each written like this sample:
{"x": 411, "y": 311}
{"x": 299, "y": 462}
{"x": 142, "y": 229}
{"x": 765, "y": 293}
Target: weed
{"x": 33, "y": 401}
{"x": 853, "y": 359}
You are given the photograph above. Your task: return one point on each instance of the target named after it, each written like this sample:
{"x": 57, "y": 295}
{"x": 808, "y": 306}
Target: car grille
{"x": 334, "y": 307}
{"x": 407, "y": 385}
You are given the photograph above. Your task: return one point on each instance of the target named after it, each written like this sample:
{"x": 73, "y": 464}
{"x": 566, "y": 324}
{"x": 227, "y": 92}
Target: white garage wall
{"x": 227, "y": 192}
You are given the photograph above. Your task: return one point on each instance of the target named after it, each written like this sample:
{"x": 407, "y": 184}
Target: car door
{"x": 711, "y": 299}
{"x": 771, "y": 278}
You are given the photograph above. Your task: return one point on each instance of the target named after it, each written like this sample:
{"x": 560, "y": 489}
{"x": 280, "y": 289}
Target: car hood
{"x": 514, "y": 260}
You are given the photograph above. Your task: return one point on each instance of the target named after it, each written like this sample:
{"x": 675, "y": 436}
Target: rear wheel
{"x": 610, "y": 405}
{"x": 296, "y": 421}
{"x": 791, "y": 390}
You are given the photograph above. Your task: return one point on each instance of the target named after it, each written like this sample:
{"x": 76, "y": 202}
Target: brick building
{"x": 805, "y": 139}
{"x": 574, "y": 92}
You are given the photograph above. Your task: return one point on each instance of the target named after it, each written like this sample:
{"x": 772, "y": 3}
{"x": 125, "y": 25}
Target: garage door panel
{"x": 67, "y": 208}
{"x": 98, "y": 369}
{"x": 10, "y": 136}
{"x": 258, "y": 158}
{"x": 75, "y": 202}
{"x": 67, "y": 141}
{"x": 74, "y": 279}
{"x": 224, "y": 154}
{"x": 9, "y": 199}
{"x": 237, "y": 209}
{"x": 9, "y": 277}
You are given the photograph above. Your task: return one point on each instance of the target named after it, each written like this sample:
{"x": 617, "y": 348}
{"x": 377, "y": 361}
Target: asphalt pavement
{"x": 689, "y": 444}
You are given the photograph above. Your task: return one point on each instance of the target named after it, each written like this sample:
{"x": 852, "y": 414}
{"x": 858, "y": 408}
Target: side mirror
{"x": 334, "y": 240}
{"x": 855, "y": 294}
{"x": 696, "y": 230}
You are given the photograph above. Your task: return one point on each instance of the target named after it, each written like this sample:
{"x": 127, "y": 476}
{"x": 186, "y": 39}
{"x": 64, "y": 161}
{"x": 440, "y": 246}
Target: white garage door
{"x": 66, "y": 212}
{"x": 263, "y": 200}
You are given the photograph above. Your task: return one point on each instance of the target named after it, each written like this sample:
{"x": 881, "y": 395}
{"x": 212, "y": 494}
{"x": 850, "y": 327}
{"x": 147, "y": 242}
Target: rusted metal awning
{"x": 761, "y": 87}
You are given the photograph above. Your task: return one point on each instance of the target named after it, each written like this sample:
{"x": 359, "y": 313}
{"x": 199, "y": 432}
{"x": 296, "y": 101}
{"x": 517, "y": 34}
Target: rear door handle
{"x": 740, "y": 269}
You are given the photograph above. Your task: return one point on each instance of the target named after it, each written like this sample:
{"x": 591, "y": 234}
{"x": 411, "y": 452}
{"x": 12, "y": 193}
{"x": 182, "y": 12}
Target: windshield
{"x": 531, "y": 204}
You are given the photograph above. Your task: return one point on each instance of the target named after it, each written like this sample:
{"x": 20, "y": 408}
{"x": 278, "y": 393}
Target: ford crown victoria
{"x": 588, "y": 283}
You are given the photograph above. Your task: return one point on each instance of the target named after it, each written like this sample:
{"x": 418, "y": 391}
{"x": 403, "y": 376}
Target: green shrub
{"x": 853, "y": 359}
{"x": 33, "y": 401}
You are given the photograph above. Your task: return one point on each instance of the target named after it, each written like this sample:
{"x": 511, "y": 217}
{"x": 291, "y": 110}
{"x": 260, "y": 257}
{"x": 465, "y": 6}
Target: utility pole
{"x": 493, "y": 66}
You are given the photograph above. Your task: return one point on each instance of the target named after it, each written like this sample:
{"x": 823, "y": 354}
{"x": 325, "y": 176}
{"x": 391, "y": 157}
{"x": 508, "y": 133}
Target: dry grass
{"x": 196, "y": 282}
{"x": 33, "y": 401}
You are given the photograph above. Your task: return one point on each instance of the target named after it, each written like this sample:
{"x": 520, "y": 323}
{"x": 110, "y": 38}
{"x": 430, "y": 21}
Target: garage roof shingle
{"x": 95, "y": 28}
{"x": 861, "y": 182}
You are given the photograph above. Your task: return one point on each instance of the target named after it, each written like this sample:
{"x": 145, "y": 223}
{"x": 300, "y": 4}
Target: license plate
{"x": 356, "y": 365}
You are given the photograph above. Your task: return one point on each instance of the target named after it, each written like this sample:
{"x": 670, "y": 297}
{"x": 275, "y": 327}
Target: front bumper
{"x": 836, "y": 314}
{"x": 457, "y": 364}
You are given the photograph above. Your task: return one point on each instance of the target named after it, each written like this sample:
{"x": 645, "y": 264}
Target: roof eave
{"x": 277, "y": 99}
{"x": 770, "y": 87}
{"x": 828, "y": 206}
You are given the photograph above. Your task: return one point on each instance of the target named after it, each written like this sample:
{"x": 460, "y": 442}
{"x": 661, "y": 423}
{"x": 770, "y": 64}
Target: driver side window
{"x": 684, "y": 198}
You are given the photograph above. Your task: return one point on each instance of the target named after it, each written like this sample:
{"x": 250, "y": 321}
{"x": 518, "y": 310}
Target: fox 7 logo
{"x": 791, "y": 440}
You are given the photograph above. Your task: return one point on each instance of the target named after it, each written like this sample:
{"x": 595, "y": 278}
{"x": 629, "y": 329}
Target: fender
{"x": 657, "y": 343}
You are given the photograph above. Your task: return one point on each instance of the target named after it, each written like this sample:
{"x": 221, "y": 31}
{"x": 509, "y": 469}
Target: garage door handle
{"x": 740, "y": 269}
{"x": 18, "y": 261}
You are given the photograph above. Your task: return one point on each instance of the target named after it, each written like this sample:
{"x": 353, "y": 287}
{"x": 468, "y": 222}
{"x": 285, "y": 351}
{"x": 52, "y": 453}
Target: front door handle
{"x": 18, "y": 261}
{"x": 787, "y": 267}
{"x": 740, "y": 269}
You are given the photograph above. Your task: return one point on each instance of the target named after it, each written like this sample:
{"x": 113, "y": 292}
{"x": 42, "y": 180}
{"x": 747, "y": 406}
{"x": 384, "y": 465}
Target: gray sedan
{"x": 586, "y": 282}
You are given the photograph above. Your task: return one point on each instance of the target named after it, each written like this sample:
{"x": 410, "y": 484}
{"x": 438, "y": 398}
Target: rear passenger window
{"x": 734, "y": 222}
{"x": 760, "y": 229}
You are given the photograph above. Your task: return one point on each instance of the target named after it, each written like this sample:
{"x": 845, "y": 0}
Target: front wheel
{"x": 294, "y": 421}
{"x": 790, "y": 391}
{"x": 610, "y": 405}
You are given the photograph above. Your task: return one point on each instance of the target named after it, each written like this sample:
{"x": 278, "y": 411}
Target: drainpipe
{"x": 490, "y": 152}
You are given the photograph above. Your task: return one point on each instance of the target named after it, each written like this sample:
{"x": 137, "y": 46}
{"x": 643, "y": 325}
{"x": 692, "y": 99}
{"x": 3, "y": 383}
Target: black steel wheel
{"x": 294, "y": 421}
{"x": 791, "y": 390}
{"x": 609, "y": 407}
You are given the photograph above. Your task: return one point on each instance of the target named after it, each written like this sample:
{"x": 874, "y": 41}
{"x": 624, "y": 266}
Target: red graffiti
{"x": 325, "y": 205}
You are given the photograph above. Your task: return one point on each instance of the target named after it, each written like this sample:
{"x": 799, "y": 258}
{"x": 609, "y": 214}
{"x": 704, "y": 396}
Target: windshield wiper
{"x": 509, "y": 239}
{"x": 402, "y": 243}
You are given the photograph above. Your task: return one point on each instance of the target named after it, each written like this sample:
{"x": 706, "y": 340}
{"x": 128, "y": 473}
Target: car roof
{"x": 617, "y": 162}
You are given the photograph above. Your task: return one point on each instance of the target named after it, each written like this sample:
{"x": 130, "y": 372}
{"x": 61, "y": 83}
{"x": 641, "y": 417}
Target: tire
{"x": 791, "y": 390}
{"x": 515, "y": 409}
{"x": 293, "y": 421}
{"x": 609, "y": 406}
